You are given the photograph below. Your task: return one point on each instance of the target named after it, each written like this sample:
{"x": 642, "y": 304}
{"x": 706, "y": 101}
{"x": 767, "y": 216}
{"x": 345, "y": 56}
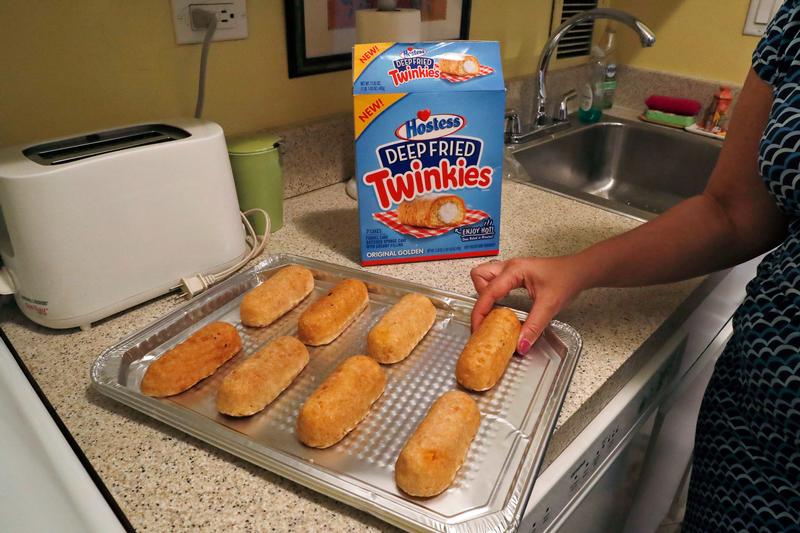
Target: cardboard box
{"x": 429, "y": 149}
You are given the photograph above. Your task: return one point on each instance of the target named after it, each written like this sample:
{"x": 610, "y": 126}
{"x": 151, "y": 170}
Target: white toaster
{"x": 94, "y": 224}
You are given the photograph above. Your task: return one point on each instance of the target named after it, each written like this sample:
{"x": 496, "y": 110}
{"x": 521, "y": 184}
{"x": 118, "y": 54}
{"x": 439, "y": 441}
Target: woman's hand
{"x": 550, "y": 282}
{"x": 735, "y": 219}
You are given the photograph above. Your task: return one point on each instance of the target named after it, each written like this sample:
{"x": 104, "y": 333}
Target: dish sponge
{"x": 670, "y": 104}
{"x": 667, "y": 119}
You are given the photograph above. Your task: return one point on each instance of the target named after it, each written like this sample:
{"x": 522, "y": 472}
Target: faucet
{"x": 542, "y": 121}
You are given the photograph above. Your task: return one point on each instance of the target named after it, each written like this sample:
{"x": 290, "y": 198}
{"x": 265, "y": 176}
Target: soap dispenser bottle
{"x": 610, "y": 76}
{"x": 591, "y": 93}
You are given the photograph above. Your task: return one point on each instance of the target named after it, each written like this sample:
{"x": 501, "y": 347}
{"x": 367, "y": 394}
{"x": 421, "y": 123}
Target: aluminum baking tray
{"x": 492, "y": 487}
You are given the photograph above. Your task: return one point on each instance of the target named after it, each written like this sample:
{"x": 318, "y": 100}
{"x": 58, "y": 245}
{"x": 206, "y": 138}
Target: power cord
{"x": 194, "y": 285}
{"x": 208, "y": 20}
{"x": 198, "y": 283}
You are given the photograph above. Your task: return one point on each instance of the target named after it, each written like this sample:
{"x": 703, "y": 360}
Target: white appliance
{"x": 94, "y": 224}
{"x": 46, "y": 483}
{"x": 622, "y": 472}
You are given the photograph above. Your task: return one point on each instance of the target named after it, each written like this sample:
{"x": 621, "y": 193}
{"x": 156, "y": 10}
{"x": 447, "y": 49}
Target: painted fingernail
{"x": 524, "y": 346}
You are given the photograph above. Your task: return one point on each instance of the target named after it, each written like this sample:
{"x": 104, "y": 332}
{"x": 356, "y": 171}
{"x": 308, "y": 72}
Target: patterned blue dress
{"x": 746, "y": 470}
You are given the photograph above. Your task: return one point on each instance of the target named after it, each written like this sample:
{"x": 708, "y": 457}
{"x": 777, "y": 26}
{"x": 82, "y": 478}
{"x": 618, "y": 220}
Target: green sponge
{"x": 668, "y": 119}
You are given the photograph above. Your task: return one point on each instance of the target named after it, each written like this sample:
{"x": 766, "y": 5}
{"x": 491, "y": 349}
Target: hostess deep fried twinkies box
{"x": 429, "y": 149}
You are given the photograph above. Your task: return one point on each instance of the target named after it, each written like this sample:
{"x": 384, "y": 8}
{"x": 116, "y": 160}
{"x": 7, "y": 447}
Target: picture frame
{"x": 320, "y": 33}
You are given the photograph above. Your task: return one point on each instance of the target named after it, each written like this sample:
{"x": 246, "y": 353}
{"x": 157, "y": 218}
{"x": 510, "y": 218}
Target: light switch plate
{"x": 234, "y": 26}
{"x": 759, "y": 15}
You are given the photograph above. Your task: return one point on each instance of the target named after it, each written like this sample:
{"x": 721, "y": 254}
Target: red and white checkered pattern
{"x": 482, "y": 71}
{"x": 390, "y": 219}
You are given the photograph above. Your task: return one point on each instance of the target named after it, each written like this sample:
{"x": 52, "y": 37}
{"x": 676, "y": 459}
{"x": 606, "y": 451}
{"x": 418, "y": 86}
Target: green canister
{"x": 255, "y": 160}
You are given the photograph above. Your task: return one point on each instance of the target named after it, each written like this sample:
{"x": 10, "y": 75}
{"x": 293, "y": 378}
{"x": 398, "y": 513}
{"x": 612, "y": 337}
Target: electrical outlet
{"x": 231, "y": 20}
{"x": 226, "y": 18}
{"x": 759, "y": 15}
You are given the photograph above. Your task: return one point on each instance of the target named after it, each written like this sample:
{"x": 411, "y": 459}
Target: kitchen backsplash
{"x": 634, "y": 86}
{"x": 319, "y": 154}
{"x": 316, "y": 155}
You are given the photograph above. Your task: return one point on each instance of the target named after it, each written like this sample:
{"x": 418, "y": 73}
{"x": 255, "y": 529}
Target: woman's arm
{"x": 734, "y": 219}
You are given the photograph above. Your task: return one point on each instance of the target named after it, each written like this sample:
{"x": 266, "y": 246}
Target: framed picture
{"x": 321, "y": 33}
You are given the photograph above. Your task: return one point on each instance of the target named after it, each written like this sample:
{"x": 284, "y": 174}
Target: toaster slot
{"x": 94, "y": 144}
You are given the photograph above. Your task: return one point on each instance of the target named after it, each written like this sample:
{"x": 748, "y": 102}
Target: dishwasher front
{"x": 624, "y": 468}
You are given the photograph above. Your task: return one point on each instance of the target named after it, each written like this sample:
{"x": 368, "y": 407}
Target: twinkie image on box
{"x": 429, "y": 149}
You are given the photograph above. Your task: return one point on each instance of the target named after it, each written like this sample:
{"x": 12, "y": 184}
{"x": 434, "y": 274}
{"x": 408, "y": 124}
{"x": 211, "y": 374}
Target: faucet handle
{"x": 514, "y": 128}
{"x": 562, "y": 106}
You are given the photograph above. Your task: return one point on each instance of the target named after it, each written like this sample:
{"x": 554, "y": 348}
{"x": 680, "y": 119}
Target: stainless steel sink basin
{"x": 628, "y": 167}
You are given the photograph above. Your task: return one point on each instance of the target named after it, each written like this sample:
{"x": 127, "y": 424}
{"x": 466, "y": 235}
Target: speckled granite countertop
{"x": 167, "y": 481}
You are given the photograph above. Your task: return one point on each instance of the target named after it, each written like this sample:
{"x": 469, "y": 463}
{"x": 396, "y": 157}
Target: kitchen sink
{"x": 629, "y": 167}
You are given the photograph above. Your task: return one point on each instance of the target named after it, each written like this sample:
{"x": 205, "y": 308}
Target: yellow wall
{"x": 71, "y": 66}
{"x": 697, "y": 38}
{"x": 521, "y": 26}
{"x": 78, "y": 66}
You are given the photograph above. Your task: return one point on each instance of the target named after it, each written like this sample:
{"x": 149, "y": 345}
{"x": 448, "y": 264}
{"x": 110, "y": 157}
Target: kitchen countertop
{"x": 165, "y": 480}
